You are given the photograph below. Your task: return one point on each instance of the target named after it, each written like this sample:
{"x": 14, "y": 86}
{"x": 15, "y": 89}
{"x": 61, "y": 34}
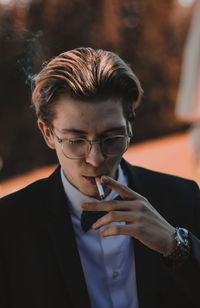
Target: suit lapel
{"x": 145, "y": 258}
{"x": 64, "y": 242}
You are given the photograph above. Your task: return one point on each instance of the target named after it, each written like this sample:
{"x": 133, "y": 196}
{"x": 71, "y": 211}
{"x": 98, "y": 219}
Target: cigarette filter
{"x": 100, "y": 188}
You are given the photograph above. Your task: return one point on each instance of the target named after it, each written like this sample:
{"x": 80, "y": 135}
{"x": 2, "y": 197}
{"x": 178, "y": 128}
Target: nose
{"x": 95, "y": 156}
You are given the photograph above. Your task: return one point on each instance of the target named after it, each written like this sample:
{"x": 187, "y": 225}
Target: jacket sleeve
{"x": 188, "y": 274}
{"x": 4, "y": 279}
{"x": 3, "y": 285}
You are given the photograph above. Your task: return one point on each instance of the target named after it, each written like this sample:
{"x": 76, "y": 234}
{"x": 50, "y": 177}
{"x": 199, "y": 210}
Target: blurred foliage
{"x": 142, "y": 32}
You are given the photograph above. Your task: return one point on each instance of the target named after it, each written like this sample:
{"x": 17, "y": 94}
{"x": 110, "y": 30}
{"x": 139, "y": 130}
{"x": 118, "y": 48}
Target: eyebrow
{"x": 80, "y": 131}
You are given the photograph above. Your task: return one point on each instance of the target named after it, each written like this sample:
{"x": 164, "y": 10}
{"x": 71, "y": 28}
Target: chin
{"x": 89, "y": 192}
{"x": 95, "y": 194}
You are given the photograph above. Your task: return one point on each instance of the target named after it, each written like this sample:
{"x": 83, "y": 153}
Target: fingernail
{"x": 105, "y": 179}
{"x": 94, "y": 226}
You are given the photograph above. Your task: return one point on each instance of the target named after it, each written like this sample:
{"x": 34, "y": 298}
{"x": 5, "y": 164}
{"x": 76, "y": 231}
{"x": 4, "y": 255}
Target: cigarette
{"x": 100, "y": 188}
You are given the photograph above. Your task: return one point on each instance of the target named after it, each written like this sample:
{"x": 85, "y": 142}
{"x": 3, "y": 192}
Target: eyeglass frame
{"x": 91, "y": 142}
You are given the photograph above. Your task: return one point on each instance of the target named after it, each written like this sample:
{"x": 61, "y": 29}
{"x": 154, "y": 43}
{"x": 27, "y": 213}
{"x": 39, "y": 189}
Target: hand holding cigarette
{"x": 142, "y": 221}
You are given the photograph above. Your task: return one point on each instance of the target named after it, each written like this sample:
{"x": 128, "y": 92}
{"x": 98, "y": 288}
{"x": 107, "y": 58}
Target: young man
{"x": 57, "y": 250}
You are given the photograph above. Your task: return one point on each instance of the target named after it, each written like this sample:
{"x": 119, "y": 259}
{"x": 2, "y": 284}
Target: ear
{"x": 47, "y": 134}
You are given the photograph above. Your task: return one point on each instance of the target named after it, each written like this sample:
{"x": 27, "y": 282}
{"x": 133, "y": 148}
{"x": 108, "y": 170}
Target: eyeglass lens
{"x": 78, "y": 148}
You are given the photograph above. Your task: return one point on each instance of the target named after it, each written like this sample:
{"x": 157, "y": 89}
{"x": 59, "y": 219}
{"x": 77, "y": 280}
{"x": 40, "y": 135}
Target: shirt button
{"x": 115, "y": 275}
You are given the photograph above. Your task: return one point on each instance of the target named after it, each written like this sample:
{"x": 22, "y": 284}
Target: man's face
{"x": 90, "y": 120}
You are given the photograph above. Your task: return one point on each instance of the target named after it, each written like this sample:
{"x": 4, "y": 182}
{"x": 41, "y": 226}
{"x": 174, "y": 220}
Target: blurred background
{"x": 154, "y": 37}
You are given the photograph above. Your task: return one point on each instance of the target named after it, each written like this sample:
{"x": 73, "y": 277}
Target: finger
{"x": 118, "y": 230}
{"x": 115, "y": 216}
{"x": 124, "y": 191}
{"x": 112, "y": 205}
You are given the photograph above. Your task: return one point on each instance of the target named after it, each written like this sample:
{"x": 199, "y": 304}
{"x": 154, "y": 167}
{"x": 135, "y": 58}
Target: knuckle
{"x": 140, "y": 228}
{"x": 142, "y": 206}
{"x": 116, "y": 229}
{"x": 139, "y": 218}
{"x": 142, "y": 215}
{"x": 112, "y": 215}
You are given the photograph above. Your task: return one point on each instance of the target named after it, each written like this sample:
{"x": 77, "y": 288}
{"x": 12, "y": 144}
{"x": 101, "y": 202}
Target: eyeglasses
{"x": 77, "y": 148}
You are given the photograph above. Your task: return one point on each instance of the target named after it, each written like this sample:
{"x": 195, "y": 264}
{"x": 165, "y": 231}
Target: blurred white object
{"x": 188, "y": 101}
{"x": 186, "y": 2}
{"x": 194, "y": 139}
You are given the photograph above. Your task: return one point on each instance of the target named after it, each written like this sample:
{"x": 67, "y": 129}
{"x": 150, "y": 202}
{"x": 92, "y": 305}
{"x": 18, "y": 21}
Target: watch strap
{"x": 182, "y": 251}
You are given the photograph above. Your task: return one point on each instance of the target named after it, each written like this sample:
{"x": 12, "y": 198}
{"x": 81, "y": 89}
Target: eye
{"x": 113, "y": 139}
{"x": 76, "y": 141}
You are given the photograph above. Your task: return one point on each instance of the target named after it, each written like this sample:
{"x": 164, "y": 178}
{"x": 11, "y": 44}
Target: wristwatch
{"x": 182, "y": 250}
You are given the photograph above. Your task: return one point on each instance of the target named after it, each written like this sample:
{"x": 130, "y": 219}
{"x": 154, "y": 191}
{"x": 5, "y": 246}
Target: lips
{"x": 90, "y": 179}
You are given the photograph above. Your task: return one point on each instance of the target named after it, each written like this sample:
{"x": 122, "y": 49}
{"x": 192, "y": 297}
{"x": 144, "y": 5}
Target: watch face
{"x": 183, "y": 234}
{"x": 182, "y": 250}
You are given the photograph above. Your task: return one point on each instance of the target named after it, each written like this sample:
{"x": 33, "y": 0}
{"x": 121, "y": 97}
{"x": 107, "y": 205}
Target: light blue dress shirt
{"x": 108, "y": 263}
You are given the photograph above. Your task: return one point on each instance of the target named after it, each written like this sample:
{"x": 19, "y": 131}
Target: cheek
{"x": 112, "y": 164}
{"x": 64, "y": 161}
{"x": 71, "y": 167}
{"x": 61, "y": 157}
{"x": 115, "y": 160}
{"x": 71, "y": 172}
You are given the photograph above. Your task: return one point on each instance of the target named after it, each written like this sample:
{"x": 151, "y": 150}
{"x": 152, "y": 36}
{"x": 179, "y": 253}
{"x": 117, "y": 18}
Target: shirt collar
{"x": 75, "y": 197}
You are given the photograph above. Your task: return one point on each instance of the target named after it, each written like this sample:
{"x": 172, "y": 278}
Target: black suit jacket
{"x": 39, "y": 260}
